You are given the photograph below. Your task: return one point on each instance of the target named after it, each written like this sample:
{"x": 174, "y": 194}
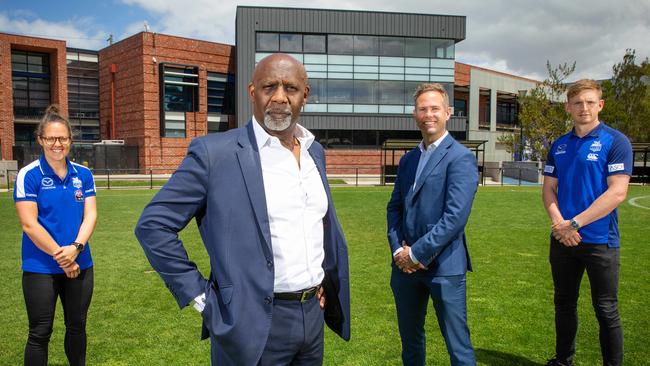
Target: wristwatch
{"x": 78, "y": 245}
{"x": 575, "y": 225}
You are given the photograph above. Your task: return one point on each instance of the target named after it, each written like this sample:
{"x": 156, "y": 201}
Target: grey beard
{"x": 277, "y": 125}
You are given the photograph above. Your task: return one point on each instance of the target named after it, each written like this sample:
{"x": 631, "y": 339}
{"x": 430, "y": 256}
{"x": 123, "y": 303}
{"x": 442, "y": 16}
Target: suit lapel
{"x": 320, "y": 165}
{"x": 437, "y": 156}
{"x": 251, "y": 167}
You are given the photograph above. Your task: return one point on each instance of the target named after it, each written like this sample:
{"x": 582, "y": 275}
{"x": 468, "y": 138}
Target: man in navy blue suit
{"x": 427, "y": 213}
{"x": 278, "y": 257}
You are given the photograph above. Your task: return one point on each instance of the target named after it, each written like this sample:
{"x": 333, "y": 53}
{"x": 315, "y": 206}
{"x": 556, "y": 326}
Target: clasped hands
{"x": 65, "y": 256}
{"x": 404, "y": 262}
{"x": 565, "y": 233}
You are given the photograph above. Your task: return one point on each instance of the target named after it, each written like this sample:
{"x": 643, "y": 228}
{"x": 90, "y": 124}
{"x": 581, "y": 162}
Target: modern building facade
{"x": 156, "y": 92}
{"x": 363, "y": 67}
{"x": 489, "y": 100}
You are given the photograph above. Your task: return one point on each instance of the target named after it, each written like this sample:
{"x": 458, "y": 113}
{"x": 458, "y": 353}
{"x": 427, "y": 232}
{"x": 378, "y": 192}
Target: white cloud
{"x": 77, "y": 32}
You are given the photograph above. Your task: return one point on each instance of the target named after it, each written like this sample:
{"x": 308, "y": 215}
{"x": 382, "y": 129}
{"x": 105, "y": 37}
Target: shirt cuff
{"x": 199, "y": 303}
{"x": 413, "y": 259}
{"x": 398, "y": 250}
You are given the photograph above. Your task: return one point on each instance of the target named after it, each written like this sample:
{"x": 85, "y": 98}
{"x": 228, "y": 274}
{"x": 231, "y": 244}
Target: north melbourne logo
{"x": 596, "y": 146}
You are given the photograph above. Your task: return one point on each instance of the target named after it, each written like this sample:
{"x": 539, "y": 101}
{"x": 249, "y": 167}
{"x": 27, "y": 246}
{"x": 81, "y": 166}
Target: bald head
{"x": 279, "y": 61}
{"x": 278, "y": 92}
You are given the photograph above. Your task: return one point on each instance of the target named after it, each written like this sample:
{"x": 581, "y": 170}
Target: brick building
{"x": 33, "y": 74}
{"x": 158, "y": 92}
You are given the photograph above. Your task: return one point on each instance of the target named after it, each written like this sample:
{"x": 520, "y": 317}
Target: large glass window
{"x": 290, "y": 42}
{"x": 314, "y": 43}
{"x": 365, "y": 92}
{"x": 30, "y": 74}
{"x": 179, "y": 95}
{"x": 221, "y": 97}
{"x": 340, "y": 44}
{"x": 340, "y": 91}
{"x": 391, "y": 46}
{"x": 221, "y": 93}
{"x": 417, "y": 47}
{"x": 363, "y": 73}
{"x": 366, "y": 45}
{"x": 83, "y": 94}
{"x": 269, "y": 42}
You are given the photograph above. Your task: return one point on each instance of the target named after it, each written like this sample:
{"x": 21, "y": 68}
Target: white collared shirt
{"x": 296, "y": 203}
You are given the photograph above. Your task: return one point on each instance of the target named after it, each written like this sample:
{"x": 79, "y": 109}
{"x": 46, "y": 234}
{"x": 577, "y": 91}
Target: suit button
{"x": 268, "y": 299}
{"x": 269, "y": 264}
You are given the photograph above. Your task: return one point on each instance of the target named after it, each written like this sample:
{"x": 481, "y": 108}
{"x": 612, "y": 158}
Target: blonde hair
{"x": 52, "y": 115}
{"x": 582, "y": 85}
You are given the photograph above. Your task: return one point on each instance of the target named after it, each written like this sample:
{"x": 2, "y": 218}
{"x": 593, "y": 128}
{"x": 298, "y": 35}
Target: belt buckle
{"x": 304, "y": 295}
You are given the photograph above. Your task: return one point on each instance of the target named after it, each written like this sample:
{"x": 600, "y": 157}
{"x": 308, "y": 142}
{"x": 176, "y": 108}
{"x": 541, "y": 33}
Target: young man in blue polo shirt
{"x": 586, "y": 178}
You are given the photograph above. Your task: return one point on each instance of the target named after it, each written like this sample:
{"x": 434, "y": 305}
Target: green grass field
{"x": 133, "y": 319}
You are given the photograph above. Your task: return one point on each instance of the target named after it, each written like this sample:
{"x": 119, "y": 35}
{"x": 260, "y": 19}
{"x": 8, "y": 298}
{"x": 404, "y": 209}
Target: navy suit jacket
{"x": 220, "y": 184}
{"x": 431, "y": 217}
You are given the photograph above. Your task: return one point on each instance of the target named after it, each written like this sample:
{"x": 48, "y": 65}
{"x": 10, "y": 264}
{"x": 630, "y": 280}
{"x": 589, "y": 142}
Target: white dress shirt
{"x": 296, "y": 203}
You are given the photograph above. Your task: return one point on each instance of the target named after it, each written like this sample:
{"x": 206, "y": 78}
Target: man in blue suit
{"x": 427, "y": 213}
{"x": 278, "y": 256}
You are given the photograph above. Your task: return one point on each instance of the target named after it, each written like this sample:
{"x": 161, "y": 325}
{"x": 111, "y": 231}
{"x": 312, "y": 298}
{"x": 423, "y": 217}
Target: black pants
{"x": 41, "y": 292}
{"x": 602, "y": 264}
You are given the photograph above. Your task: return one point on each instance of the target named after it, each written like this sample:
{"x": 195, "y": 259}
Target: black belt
{"x": 301, "y": 296}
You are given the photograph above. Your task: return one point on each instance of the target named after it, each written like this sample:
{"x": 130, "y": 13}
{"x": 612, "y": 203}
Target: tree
{"x": 542, "y": 115}
{"x": 627, "y": 98}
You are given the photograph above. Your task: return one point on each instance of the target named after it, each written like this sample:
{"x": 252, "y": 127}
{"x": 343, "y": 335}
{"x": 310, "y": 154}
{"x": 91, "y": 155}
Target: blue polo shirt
{"x": 581, "y": 166}
{"x": 60, "y": 210}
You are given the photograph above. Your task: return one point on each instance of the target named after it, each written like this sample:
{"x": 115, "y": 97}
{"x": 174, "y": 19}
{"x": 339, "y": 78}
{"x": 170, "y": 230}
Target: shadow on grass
{"x": 498, "y": 358}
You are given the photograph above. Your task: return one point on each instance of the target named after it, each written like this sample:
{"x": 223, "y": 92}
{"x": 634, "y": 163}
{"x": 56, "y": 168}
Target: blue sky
{"x": 512, "y": 36}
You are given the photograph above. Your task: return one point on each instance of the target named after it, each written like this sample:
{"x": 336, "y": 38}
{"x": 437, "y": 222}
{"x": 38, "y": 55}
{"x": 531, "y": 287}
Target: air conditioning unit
{"x": 110, "y": 142}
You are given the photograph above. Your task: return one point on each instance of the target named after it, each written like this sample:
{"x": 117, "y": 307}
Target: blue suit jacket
{"x": 220, "y": 184}
{"x": 431, "y": 217}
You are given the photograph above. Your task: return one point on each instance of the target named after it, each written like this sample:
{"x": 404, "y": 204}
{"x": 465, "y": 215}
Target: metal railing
{"x": 353, "y": 176}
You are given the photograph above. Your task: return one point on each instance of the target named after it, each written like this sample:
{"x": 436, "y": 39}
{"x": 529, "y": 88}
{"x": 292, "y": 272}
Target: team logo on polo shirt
{"x": 561, "y": 149}
{"x": 592, "y": 157}
{"x": 596, "y": 146}
{"x": 76, "y": 182}
{"x": 47, "y": 183}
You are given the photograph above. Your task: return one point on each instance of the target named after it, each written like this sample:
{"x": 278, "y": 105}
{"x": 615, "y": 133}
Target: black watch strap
{"x": 79, "y": 246}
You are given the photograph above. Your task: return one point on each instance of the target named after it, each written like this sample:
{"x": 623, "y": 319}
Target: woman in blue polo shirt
{"x": 55, "y": 201}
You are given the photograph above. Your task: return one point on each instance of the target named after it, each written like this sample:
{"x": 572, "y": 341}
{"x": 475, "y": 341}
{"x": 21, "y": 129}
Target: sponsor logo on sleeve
{"x": 549, "y": 169}
{"x": 592, "y": 157}
{"x": 561, "y": 149}
{"x": 616, "y": 167}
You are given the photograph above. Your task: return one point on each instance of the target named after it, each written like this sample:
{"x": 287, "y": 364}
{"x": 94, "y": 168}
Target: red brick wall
{"x": 349, "y": 162}
{"x": 137, "y": 99}
{"x": 58, "y": 81}
{"x": 462, "y": 74}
